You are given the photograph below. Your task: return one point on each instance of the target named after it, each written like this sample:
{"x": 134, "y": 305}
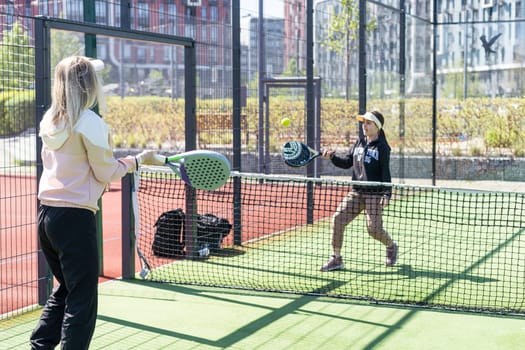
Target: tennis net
{"x": 458, "y": 249}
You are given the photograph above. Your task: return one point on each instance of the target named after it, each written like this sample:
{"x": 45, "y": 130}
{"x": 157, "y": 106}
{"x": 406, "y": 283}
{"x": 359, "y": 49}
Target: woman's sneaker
{"x": 391, "y": 255}
{"x": 335, "y": 263}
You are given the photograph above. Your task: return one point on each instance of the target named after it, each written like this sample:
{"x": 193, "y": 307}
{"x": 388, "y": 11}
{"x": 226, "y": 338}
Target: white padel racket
{"x": 201, "y": 169}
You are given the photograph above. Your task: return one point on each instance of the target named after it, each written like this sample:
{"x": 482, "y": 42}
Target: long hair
{"x": 381, "y": 131}
{"x": 76, "y": 87}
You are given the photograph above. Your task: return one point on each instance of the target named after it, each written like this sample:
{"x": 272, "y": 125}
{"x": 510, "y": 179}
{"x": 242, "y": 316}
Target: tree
{"x": 343, "y": 31}
{"x": 453, "y": 83}
{"x": 16, "y": 59}
{"x": 65, "y": 44}
{"x": 291, "y": 69}
{"x": 17, "y": 56}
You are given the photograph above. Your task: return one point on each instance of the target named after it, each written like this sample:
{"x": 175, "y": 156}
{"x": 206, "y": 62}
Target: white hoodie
{"x": 79, "y": 164}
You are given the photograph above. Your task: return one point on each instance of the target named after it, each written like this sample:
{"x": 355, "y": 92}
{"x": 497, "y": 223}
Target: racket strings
{"x": 207, "y": 173}
{"x": 295, "y": 153}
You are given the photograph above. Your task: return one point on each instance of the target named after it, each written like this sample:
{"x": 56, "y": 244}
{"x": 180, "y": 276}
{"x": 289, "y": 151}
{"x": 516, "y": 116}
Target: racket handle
{"x": 161, "y": 159}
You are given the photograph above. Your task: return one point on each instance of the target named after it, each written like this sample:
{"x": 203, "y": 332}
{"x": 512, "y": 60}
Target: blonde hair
{"x": 76, "y": 87}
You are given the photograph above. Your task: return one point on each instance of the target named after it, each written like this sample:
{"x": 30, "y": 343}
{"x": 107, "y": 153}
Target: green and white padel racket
{"x": 200, "y": 169}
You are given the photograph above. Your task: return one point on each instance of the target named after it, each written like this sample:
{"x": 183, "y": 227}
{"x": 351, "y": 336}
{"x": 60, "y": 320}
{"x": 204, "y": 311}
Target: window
{"x": 487, "y": 3}
{"x": 127, "y": 51}
{"x": 172, "y": 11}
{"x": 75, "y": 10}
{"x": 141, "y": 54}
{"x": 162, "y": 16}
{"x": 214, "y": 13}
{"x": 189, "y": 23}
{"x": 439, "y": 43}
{"x": 143, "y": 15}
{"x": 102, "y": 51}
{"x": 190, "y": 11}
{"x": 213, "y": 55}
{"x": 166, "y": 50}
{"x": 172, "y": 18}
{"x": 204, "y": 32}
{"x": 213, "y": 34}
{"x": 475, "y": 15}
{"x": 10, "y": 13}
{"x": 101, "y": 12}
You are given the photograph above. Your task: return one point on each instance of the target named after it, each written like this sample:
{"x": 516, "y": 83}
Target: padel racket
{"x": 297, "y": 154}
{"x": 201, "y": 169}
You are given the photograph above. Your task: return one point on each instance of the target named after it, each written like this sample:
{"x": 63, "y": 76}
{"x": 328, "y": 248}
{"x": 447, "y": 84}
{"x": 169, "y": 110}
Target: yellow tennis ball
{"x": 285, "y": 122}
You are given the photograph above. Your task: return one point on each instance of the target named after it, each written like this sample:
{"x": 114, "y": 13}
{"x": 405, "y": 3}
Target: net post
{"x": 310, "y": 202}
{"x": 237, "y": 211}
{"x": 190, "y": 223}
{"x": 128, "y": 228}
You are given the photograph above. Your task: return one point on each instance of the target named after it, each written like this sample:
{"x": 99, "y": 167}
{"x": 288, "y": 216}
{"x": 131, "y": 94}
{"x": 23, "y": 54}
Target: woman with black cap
{"x": 369, "y": 159}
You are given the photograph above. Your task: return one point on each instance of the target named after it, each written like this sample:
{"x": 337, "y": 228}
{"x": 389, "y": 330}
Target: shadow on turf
{"x": 408, "y": 271}
{"x": 297, "y": 302}
{"x": 227, "y": 252}
{"x": 414, "y": 273}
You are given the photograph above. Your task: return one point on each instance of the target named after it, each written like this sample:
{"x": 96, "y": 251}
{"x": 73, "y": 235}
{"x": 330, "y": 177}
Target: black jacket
{"x": 369, "y": 162}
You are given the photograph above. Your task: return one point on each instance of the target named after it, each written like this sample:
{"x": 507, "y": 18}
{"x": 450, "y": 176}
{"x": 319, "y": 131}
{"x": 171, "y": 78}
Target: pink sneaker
{"x": 335, "y": 263}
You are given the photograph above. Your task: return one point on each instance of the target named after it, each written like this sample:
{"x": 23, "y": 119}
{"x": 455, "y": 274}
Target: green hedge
{"x": 17, "y": 111}
{"x": 139, "y": 122}
{"x": 472, "y": 127}
{"x": 477, "y": 126}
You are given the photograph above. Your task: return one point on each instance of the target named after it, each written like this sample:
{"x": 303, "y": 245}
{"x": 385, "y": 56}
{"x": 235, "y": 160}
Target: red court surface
{"x": 112, "y": 232}
{"x": 18, "y": 240}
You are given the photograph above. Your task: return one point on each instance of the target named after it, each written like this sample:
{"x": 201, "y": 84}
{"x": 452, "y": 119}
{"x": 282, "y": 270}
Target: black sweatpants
{"x": 69, "y": 242}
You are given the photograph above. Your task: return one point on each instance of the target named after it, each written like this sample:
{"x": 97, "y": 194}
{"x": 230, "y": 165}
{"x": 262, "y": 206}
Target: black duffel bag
{"x": 211, "y": 231}
{"x": 168, "y": 241}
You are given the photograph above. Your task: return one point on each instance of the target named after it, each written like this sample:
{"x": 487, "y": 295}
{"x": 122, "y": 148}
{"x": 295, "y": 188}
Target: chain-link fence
{"x": 448, "y": 76}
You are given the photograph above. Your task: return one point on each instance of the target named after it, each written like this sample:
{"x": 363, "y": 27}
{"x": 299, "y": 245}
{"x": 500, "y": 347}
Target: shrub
{"x": 476, "y": 126}
{"x": 144, "y": 121}
{"x": 17, "y": 111}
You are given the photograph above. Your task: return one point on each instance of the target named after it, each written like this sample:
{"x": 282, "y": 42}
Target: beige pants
{"x": 351, "y": 206}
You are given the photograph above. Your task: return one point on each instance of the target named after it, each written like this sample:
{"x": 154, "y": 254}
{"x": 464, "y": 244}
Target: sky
{"x": 272, "y": 8}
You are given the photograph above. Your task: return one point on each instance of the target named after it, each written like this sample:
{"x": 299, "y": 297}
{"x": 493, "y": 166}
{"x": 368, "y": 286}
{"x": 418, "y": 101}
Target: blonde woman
{"x": 78, "y": 164}
{"x": 369, "y": 159}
